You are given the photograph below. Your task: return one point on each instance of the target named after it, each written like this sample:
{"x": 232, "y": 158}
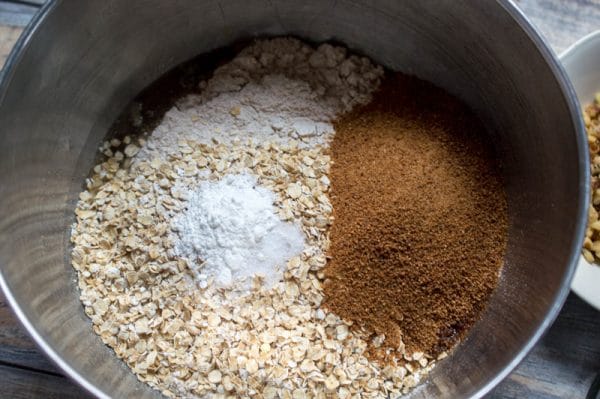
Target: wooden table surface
{"x": 562, "y": 365}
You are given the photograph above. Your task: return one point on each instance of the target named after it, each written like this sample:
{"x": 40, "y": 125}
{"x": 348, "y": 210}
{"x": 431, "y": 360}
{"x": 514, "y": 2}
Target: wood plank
{"x": 16, "y": 347}
{"x": 38, "y": 3}
{"x": 17, "y": 13}
{"x": 8, "y": 37}
{"x": 564, "y": 362}
{"x": 27, "y": 384}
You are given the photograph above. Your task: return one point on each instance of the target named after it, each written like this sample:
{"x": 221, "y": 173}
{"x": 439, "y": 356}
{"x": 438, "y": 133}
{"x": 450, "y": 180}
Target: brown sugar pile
{"x": 420, "y": 224}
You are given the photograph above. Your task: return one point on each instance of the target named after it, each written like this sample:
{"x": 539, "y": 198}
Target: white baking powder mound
{"x": 230, "y": 232}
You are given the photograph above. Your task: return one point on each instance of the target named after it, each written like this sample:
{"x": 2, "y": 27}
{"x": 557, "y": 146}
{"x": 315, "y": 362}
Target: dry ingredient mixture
{"x": 420, "y": 218}
{"x": 591, "y": 244}
{"x": 201, "y": 250}
{"x": 185, "y": 335}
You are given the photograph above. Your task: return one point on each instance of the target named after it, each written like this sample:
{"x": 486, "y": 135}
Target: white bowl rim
{"x": 586, "y": 282}
{"x": 569, "y": 51}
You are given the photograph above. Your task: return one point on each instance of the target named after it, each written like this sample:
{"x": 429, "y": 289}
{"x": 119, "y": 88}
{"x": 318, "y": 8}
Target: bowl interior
{"x": 84, "y": 61}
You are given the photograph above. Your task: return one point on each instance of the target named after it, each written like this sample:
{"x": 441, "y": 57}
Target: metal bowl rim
{"x": 569, "y": 98}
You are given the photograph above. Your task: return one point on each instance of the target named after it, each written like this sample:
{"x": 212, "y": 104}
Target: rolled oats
{"x": 190, "y": 341}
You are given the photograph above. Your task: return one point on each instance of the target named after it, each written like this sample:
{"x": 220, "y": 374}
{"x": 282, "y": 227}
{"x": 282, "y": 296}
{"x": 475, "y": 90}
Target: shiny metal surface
{"x": 82, "y": 61}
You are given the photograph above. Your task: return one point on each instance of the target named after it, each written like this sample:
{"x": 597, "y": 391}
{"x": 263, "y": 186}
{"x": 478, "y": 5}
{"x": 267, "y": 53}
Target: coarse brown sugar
{"x": 420, "y": 218}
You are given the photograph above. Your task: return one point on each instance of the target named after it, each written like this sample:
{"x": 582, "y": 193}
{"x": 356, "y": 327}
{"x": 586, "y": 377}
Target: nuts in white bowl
{"x": 582, "y": 63}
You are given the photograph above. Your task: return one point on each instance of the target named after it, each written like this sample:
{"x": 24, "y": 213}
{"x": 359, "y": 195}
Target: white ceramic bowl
{"x": 582, "y": 63}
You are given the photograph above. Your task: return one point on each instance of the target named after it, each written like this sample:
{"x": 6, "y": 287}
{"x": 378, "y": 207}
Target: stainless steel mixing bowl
{"x": 81, "y": 61}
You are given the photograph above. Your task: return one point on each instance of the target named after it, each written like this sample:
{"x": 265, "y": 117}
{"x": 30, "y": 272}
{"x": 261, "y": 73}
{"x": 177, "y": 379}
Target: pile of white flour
{"x": 273, "y": 90}
{"x": 231, "y": 230}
